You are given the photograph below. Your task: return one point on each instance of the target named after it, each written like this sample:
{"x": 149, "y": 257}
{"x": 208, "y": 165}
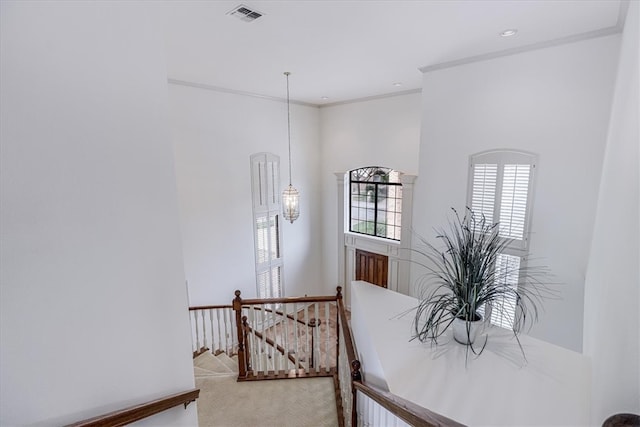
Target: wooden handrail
{"x": 131, "y": 414}
{"x": 409, "y": 412}
{"x": 288, "y": 300}
{"x": 209, "y": 307}
{"x": 346, "y": 330}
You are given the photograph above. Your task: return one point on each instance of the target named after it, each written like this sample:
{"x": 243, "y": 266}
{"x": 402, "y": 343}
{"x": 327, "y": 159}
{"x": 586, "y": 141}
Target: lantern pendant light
{"x": 290, "y": 196}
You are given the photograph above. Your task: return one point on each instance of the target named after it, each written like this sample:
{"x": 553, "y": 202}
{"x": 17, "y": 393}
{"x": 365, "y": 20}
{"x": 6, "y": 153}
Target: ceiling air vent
{"x": 244, "y": 13}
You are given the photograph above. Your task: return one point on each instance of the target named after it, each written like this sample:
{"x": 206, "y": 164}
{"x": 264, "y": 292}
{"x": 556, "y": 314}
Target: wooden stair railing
{"x": 212, "y": 329}
{"x": 263, "y": 330}
{"x": 134, "y": 413}
{"x": 345, "y": 369}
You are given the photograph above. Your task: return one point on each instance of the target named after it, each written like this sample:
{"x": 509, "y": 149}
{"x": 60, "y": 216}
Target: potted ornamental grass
{"x": 468, "y": 277}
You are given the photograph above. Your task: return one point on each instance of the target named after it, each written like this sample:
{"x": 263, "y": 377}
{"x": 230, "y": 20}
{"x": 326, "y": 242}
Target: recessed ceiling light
{"x": 509, "y": 32}
{"x": 397, "y": 84}
{"x": 324, "y": 98}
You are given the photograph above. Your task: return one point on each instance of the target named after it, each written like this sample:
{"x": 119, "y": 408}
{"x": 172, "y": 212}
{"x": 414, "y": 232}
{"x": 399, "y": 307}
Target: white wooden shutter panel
{"x": 513, "y": 206}
{"x": 507, "y": 270}
{"x": 265, "y": 171}
{"x": 483, "y": 190}
{"x": 262, "y": 239}
{"x": 500, "y": 188}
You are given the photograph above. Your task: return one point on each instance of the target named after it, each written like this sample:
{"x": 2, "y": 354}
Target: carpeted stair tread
{"x": 211, "y": 363}
{"x": 228, "y": 362}
{"x": 200, "y": 372}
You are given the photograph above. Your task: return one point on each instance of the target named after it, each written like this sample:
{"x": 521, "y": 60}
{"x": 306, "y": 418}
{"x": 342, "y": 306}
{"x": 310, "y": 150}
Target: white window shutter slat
{"x": 483, "y": 191}
{"x": 513, "y": 206}
{"x": 507, "y": 271}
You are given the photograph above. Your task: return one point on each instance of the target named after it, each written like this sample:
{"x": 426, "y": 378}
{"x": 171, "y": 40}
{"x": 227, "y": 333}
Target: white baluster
{"x": 327, "y": 336}
{"x": 316, "y": 338}
{"x": 265, "y": 349}
{"x": 195, "y": 322}
{"x": 369, "y": 416}
{"x": 218, "y": 345}
{"x": 213, "y": 346}
{"x": 306, "y": 338}
{"x": 226, "y": 331}
{"x": 204, "y": 330}
{"x": 362, "y": 408}
{"x": 285, "y": 345}
{"x": 232, "y": 328}
{"x": 255, "y": 362}
{"x": 295, "y": 333}
{"x": 274, "y": 327}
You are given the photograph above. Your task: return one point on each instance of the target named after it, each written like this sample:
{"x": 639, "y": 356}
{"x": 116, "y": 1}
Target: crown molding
{"x": 622, "y": 14}
{"x": 528, "y": 48}
{"x": 371, "y": 98}
{"x": 603, "y": 32}
{"x": 235, "y": 92}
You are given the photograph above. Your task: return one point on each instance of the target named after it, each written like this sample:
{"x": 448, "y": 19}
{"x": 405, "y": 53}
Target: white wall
{"x": 214, "y": 134}
{"x": 554, "y": 102}
{"x": 611, "y": 320}
{"x": 93, "y": 302}
{"x": 379, "y": 132}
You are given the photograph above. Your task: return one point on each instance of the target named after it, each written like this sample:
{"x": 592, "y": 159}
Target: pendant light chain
{"x": 290, "y": 196}
{"x": 288, "y": 125}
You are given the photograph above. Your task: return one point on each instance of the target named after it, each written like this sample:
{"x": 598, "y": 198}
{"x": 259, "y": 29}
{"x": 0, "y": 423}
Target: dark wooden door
{"x": 372, "y": 268}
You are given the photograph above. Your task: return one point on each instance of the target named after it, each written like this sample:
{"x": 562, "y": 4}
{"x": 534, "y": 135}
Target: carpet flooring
{"x": 224, "y": 402}
{"x": 300, "y": 402}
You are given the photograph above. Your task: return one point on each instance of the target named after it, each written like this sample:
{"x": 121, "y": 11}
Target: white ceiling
{"x": 347, "y": 50}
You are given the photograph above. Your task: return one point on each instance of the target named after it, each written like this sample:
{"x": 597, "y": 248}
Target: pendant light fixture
{"x": 290, "y": 196}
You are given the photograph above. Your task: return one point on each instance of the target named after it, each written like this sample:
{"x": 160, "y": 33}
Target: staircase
{"x": 221, "y": 365}
{"x": 305, "y": 339}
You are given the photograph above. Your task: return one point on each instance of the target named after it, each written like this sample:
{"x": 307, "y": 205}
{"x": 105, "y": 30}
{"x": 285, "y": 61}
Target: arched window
{"x": 375, "y": 206}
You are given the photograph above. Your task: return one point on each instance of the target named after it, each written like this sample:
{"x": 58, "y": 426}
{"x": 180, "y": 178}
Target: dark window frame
{"x": 377, "y": 177}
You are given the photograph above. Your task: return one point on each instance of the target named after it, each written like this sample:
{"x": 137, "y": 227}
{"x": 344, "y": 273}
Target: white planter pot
{"x": 466, "y": 334}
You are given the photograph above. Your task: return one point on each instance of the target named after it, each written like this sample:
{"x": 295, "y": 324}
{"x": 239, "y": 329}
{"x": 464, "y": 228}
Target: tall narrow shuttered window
{"x": 501, "y": 189}
{"x": 265, "y": 180}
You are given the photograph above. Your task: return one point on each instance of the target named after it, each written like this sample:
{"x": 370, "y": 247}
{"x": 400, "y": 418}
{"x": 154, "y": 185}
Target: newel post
{"x": 247, "y": 350}
{"x": 237, "y": 307}
{"x": 313, "y": 324}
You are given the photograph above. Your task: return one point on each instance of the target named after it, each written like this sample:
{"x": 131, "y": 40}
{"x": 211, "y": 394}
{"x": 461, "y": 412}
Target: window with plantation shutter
{"x": 507, "y": 268}
{"x": 265, "y": 186}
{"x": 513, "y": 206}
{"x": 483, "y": 196}
{"x": 500, "y": 188}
